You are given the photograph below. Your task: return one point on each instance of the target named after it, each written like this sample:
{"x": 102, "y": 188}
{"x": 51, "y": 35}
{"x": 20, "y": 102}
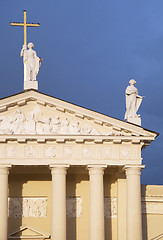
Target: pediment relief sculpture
{"x": 34, "y": 122}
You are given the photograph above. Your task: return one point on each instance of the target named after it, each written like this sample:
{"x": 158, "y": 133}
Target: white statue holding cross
{"x": 31, "y": 61}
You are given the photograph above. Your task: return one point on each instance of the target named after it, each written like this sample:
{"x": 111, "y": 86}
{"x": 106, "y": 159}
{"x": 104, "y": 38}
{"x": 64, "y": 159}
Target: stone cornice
{"x": 143, "y": 140}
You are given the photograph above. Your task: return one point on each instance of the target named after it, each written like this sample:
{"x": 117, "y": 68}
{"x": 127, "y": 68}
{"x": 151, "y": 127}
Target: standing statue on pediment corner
{"x": 133, "y": 102}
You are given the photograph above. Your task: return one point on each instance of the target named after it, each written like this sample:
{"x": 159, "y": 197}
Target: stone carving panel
{"x": 50, "y": 152}
{"x": 87, "y": 151}
{"x": 29, "y": 151}
{"x": 35, "y": 122}
{"x": 106, "y": 152}
{"x": 110, "y": 207}
{"x": 68, "y": 151}
{"x": 152, "y": 205}
{"x": 125, "y": 152}
{"x": 10, "y": 151}
{"x": 74, "y": 207}
{"x": 27, "y": 207}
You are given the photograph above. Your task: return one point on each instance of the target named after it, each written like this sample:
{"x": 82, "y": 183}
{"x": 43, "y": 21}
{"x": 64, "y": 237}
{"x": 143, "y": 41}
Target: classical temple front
{"x": 69, "y": 173}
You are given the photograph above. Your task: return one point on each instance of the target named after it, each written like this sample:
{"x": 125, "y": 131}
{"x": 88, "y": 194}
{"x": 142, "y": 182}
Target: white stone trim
{"x": 159, "y": 237}
{"x": 43, "y": 236}
{"x": 119, "y": 139}
{"x": 152, "y": 205}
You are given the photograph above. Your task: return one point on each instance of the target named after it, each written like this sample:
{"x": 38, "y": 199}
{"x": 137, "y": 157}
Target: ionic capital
{"x": 96, "y": 169}
{"x": 133, "y": 169}
{"x": 59, "y": 169}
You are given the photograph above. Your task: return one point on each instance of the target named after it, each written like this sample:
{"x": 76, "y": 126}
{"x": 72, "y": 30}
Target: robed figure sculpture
{"x": 31, "y": 61}
{"x": 133, "y": 102}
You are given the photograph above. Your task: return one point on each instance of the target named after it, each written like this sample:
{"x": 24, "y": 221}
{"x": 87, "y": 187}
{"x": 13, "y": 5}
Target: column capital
{"x": 59, "y": 169}
{"x": 96, "y": 169}
{"x": 4, "y": 168}
{"x": 133, "y": 169}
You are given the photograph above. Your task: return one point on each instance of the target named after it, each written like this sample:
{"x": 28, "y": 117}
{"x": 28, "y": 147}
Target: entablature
{"x": 34, "y": 152}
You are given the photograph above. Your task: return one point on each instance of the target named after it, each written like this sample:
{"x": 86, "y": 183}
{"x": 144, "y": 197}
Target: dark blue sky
{"x": 90, "y": 50}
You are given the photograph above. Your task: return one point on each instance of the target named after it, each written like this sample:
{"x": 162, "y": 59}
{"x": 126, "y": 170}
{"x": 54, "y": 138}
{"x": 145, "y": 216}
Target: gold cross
{"x": 25, "y": 25}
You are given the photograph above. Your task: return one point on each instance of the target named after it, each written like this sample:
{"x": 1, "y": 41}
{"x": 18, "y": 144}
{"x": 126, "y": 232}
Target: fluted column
{"x": 96, "y": 227}
{"x": 58, "y": 224}
{"x": 4, "y": 201}
{"x": 134, "y": 214}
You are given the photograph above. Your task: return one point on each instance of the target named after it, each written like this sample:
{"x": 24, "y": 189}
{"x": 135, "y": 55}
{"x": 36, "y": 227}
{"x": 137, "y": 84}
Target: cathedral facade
{"x": 69, "y": 173}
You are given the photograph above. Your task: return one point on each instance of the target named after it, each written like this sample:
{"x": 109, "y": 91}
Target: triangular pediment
{"x": 27, "y": 232}
{"x": 159, "y": 237}
{"x": 34, "y": 113}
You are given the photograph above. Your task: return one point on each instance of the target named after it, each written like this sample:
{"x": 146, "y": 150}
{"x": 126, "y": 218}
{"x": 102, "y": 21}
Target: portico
{"x": 96, "y": 201}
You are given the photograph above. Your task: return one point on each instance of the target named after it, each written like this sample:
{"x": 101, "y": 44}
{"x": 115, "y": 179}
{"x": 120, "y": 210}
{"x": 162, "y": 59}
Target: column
{"x": 121, "y": 205}
{"x": 4, "y": 201}
{"x": 58, "y": 224}
{"x": 134, "y": 214}
{"x": 96, "y": 173}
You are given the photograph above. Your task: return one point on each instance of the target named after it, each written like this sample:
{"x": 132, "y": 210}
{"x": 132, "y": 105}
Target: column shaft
{"x": 134, "y": 214}
{"x": 3, "y": 202}
{"x": 58, "y": 225}
{"x": 96, "y": 203}
{"x": 121, "y": 206}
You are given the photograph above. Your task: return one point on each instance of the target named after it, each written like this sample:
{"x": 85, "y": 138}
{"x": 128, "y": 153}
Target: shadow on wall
{"x": 77, "y": 204}
{"x": 109, "y": 180}
{"x": 15, "y": 192}
{"x": 71, "y": 221}
{"x": 144, "y": 216}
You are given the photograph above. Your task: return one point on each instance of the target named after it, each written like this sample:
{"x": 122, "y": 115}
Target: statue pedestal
{"x": 30, "y": 85}
{"x": 136, "y": 120}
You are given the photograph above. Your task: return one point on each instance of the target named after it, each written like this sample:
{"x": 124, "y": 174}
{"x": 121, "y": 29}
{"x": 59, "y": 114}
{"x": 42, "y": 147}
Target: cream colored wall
{"x": 78, "y": 185}
{"x": 28, "y": 182}
{"x": 31, "y": 185}
{"x": 153, "y": 223}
